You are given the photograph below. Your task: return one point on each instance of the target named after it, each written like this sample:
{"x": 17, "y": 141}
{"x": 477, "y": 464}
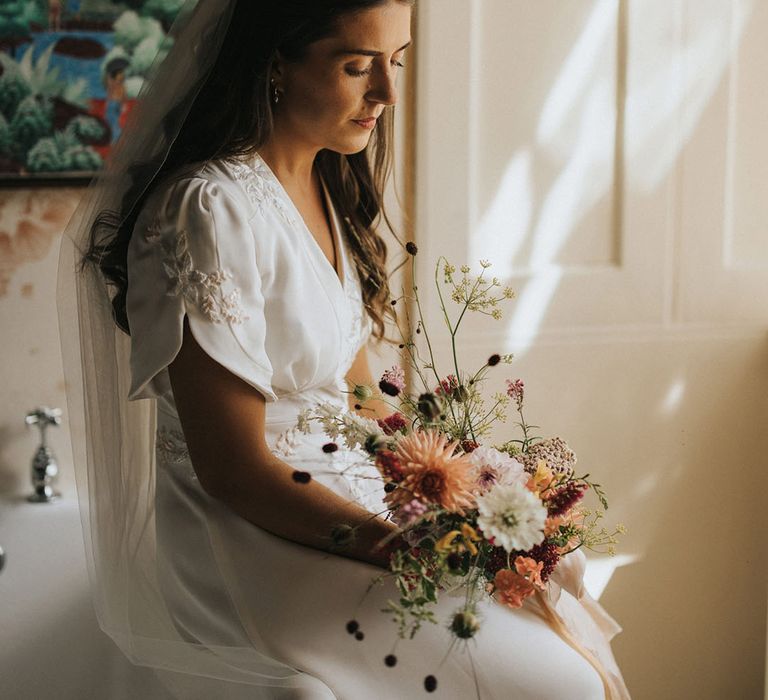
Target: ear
{"x": 278, "y": 67}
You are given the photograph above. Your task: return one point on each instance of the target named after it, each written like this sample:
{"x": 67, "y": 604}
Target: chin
{"x": 355, "y": 145}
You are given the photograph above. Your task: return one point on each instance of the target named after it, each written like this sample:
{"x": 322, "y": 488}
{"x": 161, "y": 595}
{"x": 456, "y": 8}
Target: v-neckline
{"x": 332, "y": 220}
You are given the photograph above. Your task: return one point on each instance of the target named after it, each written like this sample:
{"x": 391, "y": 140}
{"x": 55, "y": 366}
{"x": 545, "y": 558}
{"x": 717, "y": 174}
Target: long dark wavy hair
{"x": 232, "y": 116}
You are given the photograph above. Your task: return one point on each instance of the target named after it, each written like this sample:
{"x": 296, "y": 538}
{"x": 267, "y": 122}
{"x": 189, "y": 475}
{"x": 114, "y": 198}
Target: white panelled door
{"x": 610, "y": 159}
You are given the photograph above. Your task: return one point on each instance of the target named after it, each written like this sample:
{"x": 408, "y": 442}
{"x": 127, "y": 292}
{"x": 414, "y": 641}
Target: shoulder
{"x": 228, "y": 182}
{"x": 198, "y": 190}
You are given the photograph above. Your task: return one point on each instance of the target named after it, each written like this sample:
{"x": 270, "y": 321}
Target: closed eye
{"x": 369, "y": 70}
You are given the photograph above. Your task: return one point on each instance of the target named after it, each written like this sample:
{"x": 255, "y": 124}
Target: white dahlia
{"x": 494, "y": 468}
{"x": 513, "y": 516}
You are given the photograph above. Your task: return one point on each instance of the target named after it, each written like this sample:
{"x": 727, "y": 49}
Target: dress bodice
{"x": 226, "y": 246}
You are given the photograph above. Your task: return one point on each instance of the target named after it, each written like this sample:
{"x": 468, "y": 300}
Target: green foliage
{"x": 85, "y": 128}
{"x": 144, "y": 55}
{"x": 163, "y": 10}
{"x": 82, "y": 159}
{"x": 62, "y": 152}
{"x": 133, "y": 86}
{"x": 45, "y": 157}
{"x": 32, "y": 121}
{"x": 29, "y": 77}
{"x": 13, "y": 89}
{"x": 17, "y": 15}
{"x": 418, "y": 592}
{"x": 6, "y": 142}
{"x": 131, "y": 30}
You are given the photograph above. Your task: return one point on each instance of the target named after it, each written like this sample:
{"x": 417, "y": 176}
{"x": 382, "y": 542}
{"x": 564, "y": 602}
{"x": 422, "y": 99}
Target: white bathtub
{"x": 50, "y": 642}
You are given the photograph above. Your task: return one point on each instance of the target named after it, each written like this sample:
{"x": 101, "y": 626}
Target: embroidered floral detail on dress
{"x": 356, "y": 470}
{"x": 152, "y": 234}
{"x": 171, "y": 448}
{"x": 286, "y": 443}
{"x": 202, "y": 289}
{"x": 258, "y": 182}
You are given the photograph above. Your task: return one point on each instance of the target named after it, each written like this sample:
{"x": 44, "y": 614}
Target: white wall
{"x": 608, "y": 157}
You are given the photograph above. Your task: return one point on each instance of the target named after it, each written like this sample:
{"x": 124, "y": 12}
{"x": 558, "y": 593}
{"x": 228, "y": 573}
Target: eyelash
{"x": 367, "y": 71}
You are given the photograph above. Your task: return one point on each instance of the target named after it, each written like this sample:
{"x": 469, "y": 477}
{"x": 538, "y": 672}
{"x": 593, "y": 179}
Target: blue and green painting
{"x": 70, "y": 72}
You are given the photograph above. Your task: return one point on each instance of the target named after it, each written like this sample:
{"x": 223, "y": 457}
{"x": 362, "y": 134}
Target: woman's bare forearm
{"x": 268, "y": 496}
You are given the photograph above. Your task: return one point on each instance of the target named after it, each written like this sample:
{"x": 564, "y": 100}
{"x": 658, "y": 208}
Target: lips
{"x": 367, "y": 123}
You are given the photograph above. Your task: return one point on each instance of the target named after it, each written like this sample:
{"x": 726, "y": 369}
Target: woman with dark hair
{"x": 243, "y": 261}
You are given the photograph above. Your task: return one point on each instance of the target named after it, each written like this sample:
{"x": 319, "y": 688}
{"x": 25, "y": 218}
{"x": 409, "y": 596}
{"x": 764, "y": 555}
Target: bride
{"x": 229, "y": 270}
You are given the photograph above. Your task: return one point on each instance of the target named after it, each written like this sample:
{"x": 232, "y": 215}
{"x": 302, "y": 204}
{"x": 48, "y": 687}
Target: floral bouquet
{"x": 493, "y": 520}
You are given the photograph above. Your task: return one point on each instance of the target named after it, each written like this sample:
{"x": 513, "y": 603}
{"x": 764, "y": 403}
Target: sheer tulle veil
{"x": 113, "y": 439}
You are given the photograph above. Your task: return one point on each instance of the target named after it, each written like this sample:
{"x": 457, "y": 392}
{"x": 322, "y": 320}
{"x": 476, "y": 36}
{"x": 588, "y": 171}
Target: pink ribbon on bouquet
{"x": 591, "y": 637}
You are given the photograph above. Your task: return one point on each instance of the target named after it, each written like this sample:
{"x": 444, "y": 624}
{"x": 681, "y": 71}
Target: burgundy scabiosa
{"x": 388, "y": 464}
{"x": 447, "y": 385}
{"x": 392, "y": 381}
{"x": 547, "y": 553}
{"x": 562, "y": 500}
{"x": 392, "y": 423}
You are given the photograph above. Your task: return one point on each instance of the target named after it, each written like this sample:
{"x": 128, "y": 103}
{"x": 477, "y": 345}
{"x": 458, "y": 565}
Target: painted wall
{"x": 31, "y": 222}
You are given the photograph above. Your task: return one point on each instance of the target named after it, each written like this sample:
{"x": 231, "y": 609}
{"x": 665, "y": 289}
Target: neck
{"x": 290, "y": 159}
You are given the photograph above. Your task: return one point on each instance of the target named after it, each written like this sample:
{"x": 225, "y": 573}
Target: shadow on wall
{"x": 528, "y": 222}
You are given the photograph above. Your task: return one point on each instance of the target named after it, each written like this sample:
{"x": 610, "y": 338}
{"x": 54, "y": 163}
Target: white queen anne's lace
{"x": 201, "y": 288}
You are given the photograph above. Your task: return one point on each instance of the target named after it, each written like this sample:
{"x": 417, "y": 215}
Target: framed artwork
{"x": 70, "y": 71}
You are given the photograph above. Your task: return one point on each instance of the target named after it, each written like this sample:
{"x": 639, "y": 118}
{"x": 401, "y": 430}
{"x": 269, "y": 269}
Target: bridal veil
{"x": 113, "y": 440}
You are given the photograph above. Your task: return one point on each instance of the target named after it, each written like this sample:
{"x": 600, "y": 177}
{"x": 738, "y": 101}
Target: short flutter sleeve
{"x": 193, "y": 253}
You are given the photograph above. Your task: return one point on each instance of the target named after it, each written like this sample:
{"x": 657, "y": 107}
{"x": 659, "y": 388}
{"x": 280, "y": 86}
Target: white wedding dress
{"x": 226, "y": 246}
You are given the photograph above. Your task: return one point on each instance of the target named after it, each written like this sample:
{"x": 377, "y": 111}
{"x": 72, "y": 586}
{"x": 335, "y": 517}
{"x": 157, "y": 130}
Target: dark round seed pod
{"x": 390, "y": 660}
{"x": 411, "y": 248}
{"x": 353, "y": 626}
{"x": 330, "y": 447}
{"x": 301, "y": 477}
{"x": 454, "y": 560}
{"x": 359, "y": 636}
{"x": 389, "y": 487}
{"x": 494, "y": 360}
{"x": 430, "y": 684}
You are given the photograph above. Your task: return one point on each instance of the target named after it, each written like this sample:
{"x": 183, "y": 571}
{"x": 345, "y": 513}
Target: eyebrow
{"x": 367, "y": 52}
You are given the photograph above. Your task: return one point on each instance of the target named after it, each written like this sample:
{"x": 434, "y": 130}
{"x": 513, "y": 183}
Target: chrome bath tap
{"x": 44, "y": 466}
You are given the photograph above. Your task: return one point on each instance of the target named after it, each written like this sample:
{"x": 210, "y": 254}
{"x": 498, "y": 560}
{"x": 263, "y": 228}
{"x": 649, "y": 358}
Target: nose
{"x": 383, "y": 89}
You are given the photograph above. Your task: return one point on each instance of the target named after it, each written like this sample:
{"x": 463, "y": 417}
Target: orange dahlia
{"x": 432, "y": 473}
